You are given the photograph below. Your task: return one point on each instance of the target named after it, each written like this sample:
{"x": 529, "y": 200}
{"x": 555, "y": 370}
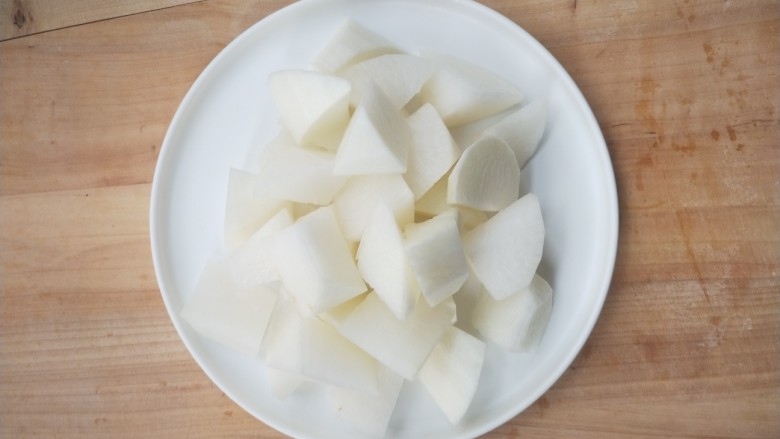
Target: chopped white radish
{"x": 463, "y": 92}
{"x": 299, "y": 174}
{"x": 312, "y": 349}
{"x": 466, "y": 299}
{"x": 434, "y": 201}
{"x": 369, "y": 413}
{"x": 521, "y": 130}
{"x": 281, "y": 383}
{"x": 224, "y": 312}
{"x": 250, "y": 265}
{"x": 314, "y": 106}
{"x": 436, "y": 256}
{"x": 356, "y": 202}
{"x": 505, "y": 251}
{"x": 466, "y": 217}
{"x": 351, "y": 44}
{"x": 401, "y": 345}
{"x": 451, "y": 373}
{"x": 432, "y": 151}
{"x": 486, "y": 176}
{"x": 376, "y": 140}
{"x": 336, "y": 315}
{"x": 382, "y": 261}
{"x": 399, "y": 76}
{"x": 315, "y": 262}
{"x": 517, "y": 322}
{"x": 245, "y": 212}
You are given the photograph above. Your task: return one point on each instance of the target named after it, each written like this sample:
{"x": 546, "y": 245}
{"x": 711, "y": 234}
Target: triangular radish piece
{"x": 376, "y": 140}
{"x": 436, "y": 257}
{"x": 505, "y": 251}
{"x": 314, "y": 106}
{"x": 399, "y": 76}
{"x": 250, "y": 265}
{"x": 244, "y": 211}
{"x": 516, "y": 323}
{"x": 369, "y": 413}
{"x": 432, "y": 151}
{"x": 382, "y": 261}
{"x": 315, "y": 263}
{"x": 486, "y": 176}
{"x": 463, "y": 92}
{"x": 351, "y": 44}
{"x": 401, "y": 345}
{"x": 451, "y": 373}
{"x": 521, "y": 130}
{"x": 224, "y": 312}
{"x": 356, "y": 202}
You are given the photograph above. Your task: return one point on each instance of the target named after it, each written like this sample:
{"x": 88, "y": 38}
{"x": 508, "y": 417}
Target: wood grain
{"x": 19, "y": 18}
{"x": 688, "y": 344}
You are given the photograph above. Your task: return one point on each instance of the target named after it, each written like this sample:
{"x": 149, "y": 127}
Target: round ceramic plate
{"x": 229, "y": 110}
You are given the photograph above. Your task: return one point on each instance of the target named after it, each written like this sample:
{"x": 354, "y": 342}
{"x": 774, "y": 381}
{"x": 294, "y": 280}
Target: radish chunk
{"x": 351, "y": 44}
{"x": 382, "y": 261}
{"x": 226, "y": 313}
{"x": 299, "y": 174}
{"x": 315, "y": 263}
{"x": 516, "y": 323}
{"x": 486, "y": 177}
{"x": 432, "y": 151}
{"x": 356, "y": 202}
{"x": 521, "y": 130}
{"x": 251, "y": 265}
{"x": 245, "y": 212}
{"x": 451, "y": 373}
{"x": 313, "y": 350}
{"x": 463, "y": 92}
{"x": 399, "y": 76}
{"x": 436, "y": 256}
{"x": 376, "y": 140}
{"x": 505, "y": 251}
{"x": 369, "y": 413}
{"x": 314, "y": 106}
{"x": 401, "y": 345}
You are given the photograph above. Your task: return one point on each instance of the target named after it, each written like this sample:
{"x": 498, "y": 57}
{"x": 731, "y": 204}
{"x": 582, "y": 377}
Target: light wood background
{"x": 686, "y": 93}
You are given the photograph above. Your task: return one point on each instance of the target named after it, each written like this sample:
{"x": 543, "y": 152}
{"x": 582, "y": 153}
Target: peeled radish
{"x": 451, "y": 373}
{"x": 486, "y": 176}
{"x": 399, "y": 76}
{"x": 356, "y": 202}
{"x": 251, "y": 265}
{"x": 315, "y": 263}
{"x": 244, "y": 211}
{"x": 517, "y": 322}
{"x": 314, "y": 106}
{"x": 432, "y": 151}
{"x": 521, "y": 130}
{"x": 505, "y": 251}
{"x": 351, "y": 44}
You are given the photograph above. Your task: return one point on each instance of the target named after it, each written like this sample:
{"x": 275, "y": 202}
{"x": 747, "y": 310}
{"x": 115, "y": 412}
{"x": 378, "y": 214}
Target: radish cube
{"x": 399, "y": 76}
{"x": 351, "y": 44}
{"x": 244, "y": 211}
{"x": 250, "y": 265}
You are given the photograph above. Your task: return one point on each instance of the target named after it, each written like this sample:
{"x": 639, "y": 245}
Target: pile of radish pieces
{"x": 381, "y": 236}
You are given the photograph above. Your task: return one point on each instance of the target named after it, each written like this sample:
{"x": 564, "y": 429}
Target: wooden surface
{"x": 686, "y": 93}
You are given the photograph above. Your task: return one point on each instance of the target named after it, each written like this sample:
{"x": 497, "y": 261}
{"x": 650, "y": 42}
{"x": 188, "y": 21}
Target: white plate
{"x": 229, "y": 109}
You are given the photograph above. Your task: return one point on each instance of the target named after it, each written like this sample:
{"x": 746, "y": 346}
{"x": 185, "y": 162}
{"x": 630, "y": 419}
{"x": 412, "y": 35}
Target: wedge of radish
{"x": 251, "y": 265}
{"x": 369, "y": 413}
{"x": 224, "y": 312}
{"x": 351, "y": 44}
{"x": 463, "y": 92}
{"x": 356, "y": 202}
{"x": 383, "y": 263}
{"x": 399, "y": 76}
{"x": 486, "y": 176}
{"x": 451, "y": 373}
{"x": 401, "y": 345}
{"x": 376, "y": 140}
{"x": 516, "y": 323}
{"x": 315, "y": 263}
{"x": 314, "y": 106}
{"x": 521, "y": 130}
{"x": 505, "y": 251}
{"x": 432, "y": 151}
{"x": 436, "y": 256}
{"x": 244, "y": 211}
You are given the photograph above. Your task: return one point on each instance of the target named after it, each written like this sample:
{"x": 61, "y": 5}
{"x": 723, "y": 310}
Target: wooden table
{"x": 686, "y": 92}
